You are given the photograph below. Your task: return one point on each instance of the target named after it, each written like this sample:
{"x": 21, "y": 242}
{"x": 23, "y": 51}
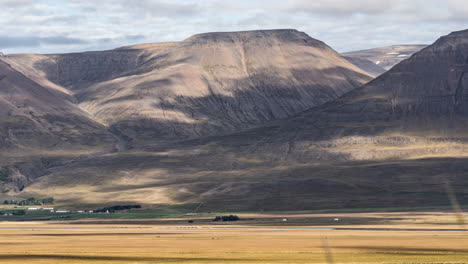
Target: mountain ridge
{"x": 160, "y": 93}
{"x": 386, "y": 57}
{"x": 375, "y": 146}
{"x": 248, "y": 77}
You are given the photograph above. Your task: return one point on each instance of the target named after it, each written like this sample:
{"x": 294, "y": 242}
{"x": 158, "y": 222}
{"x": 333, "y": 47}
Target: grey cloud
{"x": 402, "y": 11}
{"x": 160, "y": 8}
{"x": 134, "y": 37}
{"x": 7, "y": 4}
{"x": 126, "y": 37}
{"x": 89, "y": 9}
{"x": 122, "y": 39}
{"x": 8, "y": 42}
{"x": 60, "y": 40}
{"x": 342, "y": 7}
{"x": 104, "y": 40}
{"x": 64, "y": 19}
{"x": 23, "y": 7}
{"x": 106, "y": 24}
{"x": 33, "y": 41}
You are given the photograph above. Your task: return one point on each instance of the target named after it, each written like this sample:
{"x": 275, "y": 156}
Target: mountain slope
{"x": 40, "y": 125}
{"x": 220, "y": 82}
{"x": 208, "y": 84}
{"x": 38, "y": 116}
{"x": 366, "y": 65}
{"x": 76, "y": 71}
{"x": 394, "y": 142}
{"x": 80, "y": 107}
{"x": 423, "y": 100}
{"x": 386, "y": 57}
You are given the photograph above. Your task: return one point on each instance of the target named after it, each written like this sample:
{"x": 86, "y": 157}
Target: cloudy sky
{"x": 51, "y": 26}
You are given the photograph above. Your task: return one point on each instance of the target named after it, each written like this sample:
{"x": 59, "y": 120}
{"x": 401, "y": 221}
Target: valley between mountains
{"x": 257, "y": 120}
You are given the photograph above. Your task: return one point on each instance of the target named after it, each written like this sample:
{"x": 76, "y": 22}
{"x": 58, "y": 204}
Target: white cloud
{"x": 105, "y": 24}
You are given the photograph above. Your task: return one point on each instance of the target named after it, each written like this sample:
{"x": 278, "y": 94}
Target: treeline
{"x": 226, "y": 218}
{"x": 114, "y": 208}
{"x": 13, "y": 212}
{"x": 31, "y": 201}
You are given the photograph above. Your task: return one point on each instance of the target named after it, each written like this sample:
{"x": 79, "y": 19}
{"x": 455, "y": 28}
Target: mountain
{"x": 395, "y": 142}
{"x": 386, "y": 57}
{"x": 82, "y": 107}
{"x": 77, "y": 71}
{"x": 41, "y": 121}
{"x": 35, "y": 116}
{"x": 366, "y": 65}
{"x": 207, "y": 84}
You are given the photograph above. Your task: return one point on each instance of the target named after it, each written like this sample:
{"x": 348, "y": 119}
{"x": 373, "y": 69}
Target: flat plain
{"x": 396, "y": 237}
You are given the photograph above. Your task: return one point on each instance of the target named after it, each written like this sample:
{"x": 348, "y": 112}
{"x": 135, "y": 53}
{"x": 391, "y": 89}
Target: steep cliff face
{"x": 220, "y": 82}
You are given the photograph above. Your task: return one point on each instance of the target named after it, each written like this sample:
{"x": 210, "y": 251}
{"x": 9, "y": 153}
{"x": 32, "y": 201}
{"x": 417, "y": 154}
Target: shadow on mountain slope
{"x": 175, "y": 116}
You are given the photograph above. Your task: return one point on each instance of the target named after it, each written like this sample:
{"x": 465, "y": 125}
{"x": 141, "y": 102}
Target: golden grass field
{"x": 169, "y": 241}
